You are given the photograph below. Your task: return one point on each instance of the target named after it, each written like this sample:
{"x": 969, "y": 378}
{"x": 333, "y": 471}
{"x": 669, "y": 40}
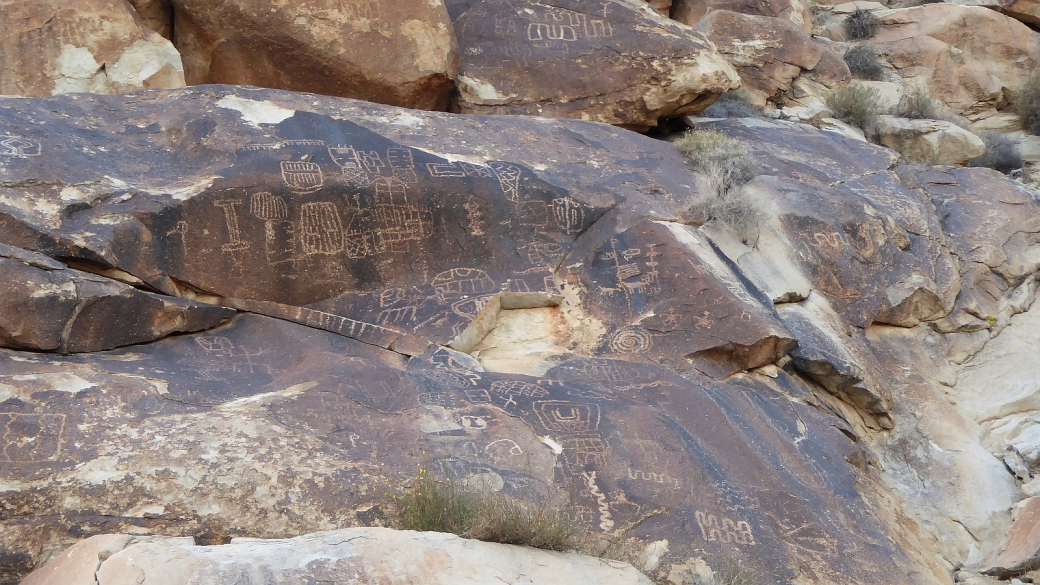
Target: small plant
{"x": 732, "y": 105}
{"x": 861, "y": 24}
{"x": 1001, "y": 153}
{"x": 856, "y": 105}
{"x": 917, "y": 104}
{"x": 863, "y": 63}
{"x": 434, "y": 505}
{"x": 726, "y": 167}
{"x": 1028, "y": 104}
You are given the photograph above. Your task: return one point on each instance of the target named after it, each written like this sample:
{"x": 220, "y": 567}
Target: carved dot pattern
{"x": 631, "y": 340}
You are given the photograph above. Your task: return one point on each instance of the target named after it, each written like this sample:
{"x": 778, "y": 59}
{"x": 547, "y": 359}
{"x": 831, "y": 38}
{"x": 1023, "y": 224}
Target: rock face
{"x": 51, "y": 47}
{"x": 399, "y": 52}
{"x": 360, "y": 555}
{"x": 382, "y": 246}
{"x": 796, "y": 11}
{"x": 46, "y": 306}
{"x": 156, "y": 15}
{"x": 970, "y": 58}
{"x": 768, "y": 53}
{"x": 618, "y": 62}
{"x": 934, "y": 142}
{"x": 1027, "y": 11}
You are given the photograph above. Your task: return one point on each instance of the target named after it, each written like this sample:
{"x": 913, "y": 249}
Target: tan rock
{"x": 796, "y": 11}
{"x": 358, "y": 555}
{"x": 1020, "y": 551}
{"x": 768, "y": 53}
{"x": 621, "y": 64}
{"x": 1027, "y": 11}
{"x": 98, "y": 46}
{"x": 935, "y": 142}
{"x": 78, "y": 564}
{"x": 662, "y": 6}
{"x": 970, "y": 58}
{"x": 400, "y": 52}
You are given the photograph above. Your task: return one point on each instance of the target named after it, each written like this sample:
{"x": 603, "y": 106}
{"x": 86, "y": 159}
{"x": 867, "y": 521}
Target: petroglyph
{"x": 278, "y": 231}
{"x": 31, "y": 438}
{"x": 565, "y": 416}
{"x": 631, "y": 340}
{"x": 727, "y": 531}
{"x": 321, "y": 230}
{"x": 19, "y": 147}
{"x": 605, "y": 521}
{"x": 462, "y": 281}
{"x": 235, "y": 241}
{"x": 652, "y": 477}
{"x": 302, "y": 176}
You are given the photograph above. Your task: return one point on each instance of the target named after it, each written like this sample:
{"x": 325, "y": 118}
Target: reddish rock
{"x": 399, "y": 52}
{"x": 614, "y": 62}
{"x": 691, "y": 12}
{"x": 768, "y": 53}
{"x": 99, "y": 46}
{"x": 1020, "y": 551}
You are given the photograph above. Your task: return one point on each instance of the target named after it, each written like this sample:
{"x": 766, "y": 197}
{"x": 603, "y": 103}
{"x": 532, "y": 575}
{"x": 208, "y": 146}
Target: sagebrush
{"x": 1028, "y": 104}
{"x": 860, "y": 25}
{"x": 726, "y": 167}
{"x": 863, "y": 63}
{"x": 444, "y": 505}
{"x": 917, "y": 104}
{"x": 1002, "y": 153}
{"x": 856, "y": 105}
{"x": 732, "y": 105}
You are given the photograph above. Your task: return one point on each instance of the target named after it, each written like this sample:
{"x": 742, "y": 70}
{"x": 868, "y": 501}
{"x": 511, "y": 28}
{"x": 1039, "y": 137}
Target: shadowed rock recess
{"x": 245, "y": 313}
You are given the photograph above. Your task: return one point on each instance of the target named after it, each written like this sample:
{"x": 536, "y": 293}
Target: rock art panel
{"x": 263, "y": 428}
{"x": 614, "y": 62}
{"x": 401, "y": 53}
{"x": 671, "y": 297}
{"x": 97, "y": 46}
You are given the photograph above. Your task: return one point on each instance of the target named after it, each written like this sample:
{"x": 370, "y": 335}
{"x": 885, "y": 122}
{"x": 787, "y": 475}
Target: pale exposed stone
{"x": 934, "y": 142}
{"x": 96, "y": 46}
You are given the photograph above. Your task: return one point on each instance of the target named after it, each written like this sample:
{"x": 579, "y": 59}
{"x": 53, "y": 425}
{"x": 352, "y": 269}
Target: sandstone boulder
{"x": 691, "y": 12}
{"x": 399, "y": 52}
{"x": 1027, "y": 11}
{"x": 156, "y": 15}
{"x": 662, "y": 6}
{"x": 768, "y": 53}
{"x": 46, "y": 306}
{"x": 971, "y": 58}
{"x": 934, "y": 142}
{"x": 359, "y": 555}
{"x": 100, "y": 46}
{"x": 617, "y": 62}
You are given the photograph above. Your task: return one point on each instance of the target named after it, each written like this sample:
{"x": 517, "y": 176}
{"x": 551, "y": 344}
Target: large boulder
{"x": 1027, "y": 11}
{"x": 100, "y": 46}
{"x": 399, "y": 52}
{"x": 358, "y": 555}
{"x": 796, "y": 11}
{"x": 621, "y": 63}
{"x": 399, "y": 258}
{"x": 768, "y": 53}
{"x": 971, "y": 58}
{"x": 935, "y": 142}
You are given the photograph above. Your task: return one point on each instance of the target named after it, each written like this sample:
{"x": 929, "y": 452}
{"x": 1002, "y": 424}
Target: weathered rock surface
{"x": 616, "y": 62}
{"x": 1027, "y": 11}
{"x": 690, "y": 12}
{"x": 971, "y": 58}
{"x": 1021, "y": 551}
{"x": 399, "y": 52}
{"x": 387, "y": 235}
{"x": 46, "y": 306}
{"x": 358, "y": 555}
{"x": 51, "y": 47}
{"x": 768, "y": 53}
{"x": 156, "y": 15}
{"x": 935, "y": 142}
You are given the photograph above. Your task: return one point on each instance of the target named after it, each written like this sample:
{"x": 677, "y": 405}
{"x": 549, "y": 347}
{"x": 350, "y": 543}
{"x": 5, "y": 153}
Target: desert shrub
{"x": 726, "y": 167}
{"x": 1028, "y": 104}
{"x": 863, "y": 63}
{"x": 732, "y": 105}
{"x": 861, "y": 24}
{"x": 1001, "y": 153}
{"x": 437, "y": 505}
{"x": 917, "y": 104}
{"x": 856, "y": 105}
